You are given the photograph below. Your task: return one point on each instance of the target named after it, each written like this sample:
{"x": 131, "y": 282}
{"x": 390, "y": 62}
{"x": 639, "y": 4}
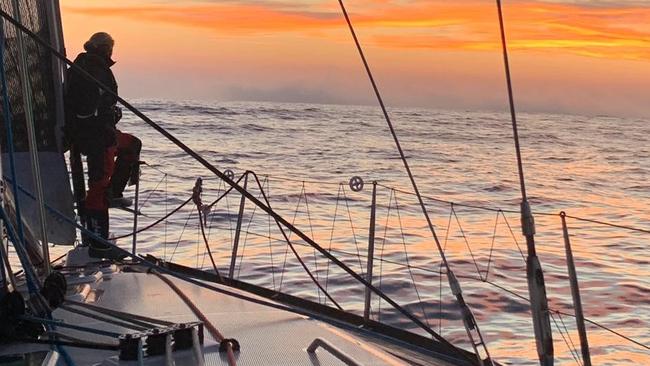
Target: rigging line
{"x": 566, "y": 342}
{"x": 8, "y": 122}
{"x": 159, "y": 170}
{"x": 232, "y": 240}
{"x": 105, "y": 319}
{"x": 62, "y": 324}
{"x": 166, "y": 211}
{"x": 181, "y": 236}
{"x": 354, "y": 235}
{"x": 268, "y": 190}
{"x": 461, "y": 356}
{"x": 469, "y": 320}
{"x": 164, "y": 218}
{"x": 514, "y": 237}
{"x": 645, "y": 231}
{"x": 72, "y": 344}
{"x": 205, "y": 241}
{"x": 225, "y": 193}
{"x": 440, "y": 272}
{"x": 241, "y": 260}
{"x": 609, "y": 330}
{"x": 278, "y": 178}
{"x": 151, "y": 192}
{"x": 439, "y": 200}
{"x": 311, "y": 228}
{"x": 392, "y": 130}
{"x": 134, "y": 318}
{"x": 30, "y": 123}
{"x": 469, "y": 248}
{"x": 534, "y": 272}
{"x": 210, "y": 225}
{"x": 408, "y": 264}
{"x": 286, "y": 249}
{"x": 336, "y": 209}
{"x": 566, "y": 330}
{"x": 494, "y": 236}
{"x": 293, "y": 249}
{"x": 513, "y": 113}
{"x": 279, "y": 219}
{"x": 211, "y": 220}
{"x": 381, "y": 256}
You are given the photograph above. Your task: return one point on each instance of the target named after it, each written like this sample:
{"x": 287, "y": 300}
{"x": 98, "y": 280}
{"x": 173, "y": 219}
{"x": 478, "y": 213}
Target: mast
{"x": 31, "y": 135}
{"x": 534, "y": 273}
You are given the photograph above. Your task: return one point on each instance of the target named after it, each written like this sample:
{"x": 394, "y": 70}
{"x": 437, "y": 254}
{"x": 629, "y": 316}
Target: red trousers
{"x": 102, "y": 169}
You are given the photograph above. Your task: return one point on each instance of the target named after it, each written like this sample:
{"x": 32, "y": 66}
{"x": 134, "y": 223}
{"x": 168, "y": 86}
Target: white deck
{"x": 267, "y": 336}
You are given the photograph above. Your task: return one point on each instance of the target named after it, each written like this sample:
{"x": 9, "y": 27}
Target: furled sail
{"x": 45, "y": 79}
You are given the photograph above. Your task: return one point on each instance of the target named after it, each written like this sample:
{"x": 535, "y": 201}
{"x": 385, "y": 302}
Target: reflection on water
{"x": 588, "y": 167}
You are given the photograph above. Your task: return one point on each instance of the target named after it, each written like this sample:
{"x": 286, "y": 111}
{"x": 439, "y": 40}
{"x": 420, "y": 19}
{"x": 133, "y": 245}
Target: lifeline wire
{"x": 274, "y": 305}
{"x": 468, "y": 318}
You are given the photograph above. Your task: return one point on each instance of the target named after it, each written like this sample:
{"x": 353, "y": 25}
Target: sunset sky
{"x": 568, "y": 56}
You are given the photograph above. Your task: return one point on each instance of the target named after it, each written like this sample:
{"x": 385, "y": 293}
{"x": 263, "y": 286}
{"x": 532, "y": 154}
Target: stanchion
{"x": 371, "y": 252}
{"x": 575, "y": 293}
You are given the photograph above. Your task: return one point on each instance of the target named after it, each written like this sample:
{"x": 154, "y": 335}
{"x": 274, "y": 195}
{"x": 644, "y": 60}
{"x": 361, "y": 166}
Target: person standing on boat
{"x": 112, "y": 156}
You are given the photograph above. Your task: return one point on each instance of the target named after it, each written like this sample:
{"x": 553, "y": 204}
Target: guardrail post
{"x": 575, "y": 293}
{"x": 371, "y": 251}
{"x": 240, "y": 218}
{"x": 135, "y": 206}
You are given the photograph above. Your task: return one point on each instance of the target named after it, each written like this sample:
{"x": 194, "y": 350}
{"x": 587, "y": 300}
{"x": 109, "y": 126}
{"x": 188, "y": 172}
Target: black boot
{"x": 97, "y": 222}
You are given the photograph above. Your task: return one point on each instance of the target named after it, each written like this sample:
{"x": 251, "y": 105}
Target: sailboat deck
{"x": 267, "y": 336}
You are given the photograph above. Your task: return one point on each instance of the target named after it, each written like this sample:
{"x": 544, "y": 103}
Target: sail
{"x": 46, "y": 81}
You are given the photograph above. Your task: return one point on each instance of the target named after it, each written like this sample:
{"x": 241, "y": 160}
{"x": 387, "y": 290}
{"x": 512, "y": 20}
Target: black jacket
{"x": 90, "y": 111}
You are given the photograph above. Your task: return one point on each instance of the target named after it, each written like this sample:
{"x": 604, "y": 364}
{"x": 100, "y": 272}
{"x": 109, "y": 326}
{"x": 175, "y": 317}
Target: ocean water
{"x": 304, "y": 155}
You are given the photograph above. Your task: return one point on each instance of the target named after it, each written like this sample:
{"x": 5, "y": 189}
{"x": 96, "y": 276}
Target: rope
{"x": 214, "y": 332}
{"x": 155, "y": 222}
{"x": 205, "y": 240}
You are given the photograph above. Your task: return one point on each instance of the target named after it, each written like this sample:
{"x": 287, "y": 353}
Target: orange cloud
{"x": 603, "y": 32}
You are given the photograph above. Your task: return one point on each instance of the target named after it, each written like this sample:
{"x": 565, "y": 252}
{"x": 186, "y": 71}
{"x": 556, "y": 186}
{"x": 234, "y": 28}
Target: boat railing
{"x": 394, "y": 252}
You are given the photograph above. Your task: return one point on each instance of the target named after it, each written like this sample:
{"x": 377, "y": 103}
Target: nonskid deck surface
{"x": 267, "y": 336}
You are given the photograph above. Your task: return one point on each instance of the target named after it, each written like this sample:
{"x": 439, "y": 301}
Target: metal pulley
{"x": 229, "y": 174}
{"x": 356, "y": 184}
